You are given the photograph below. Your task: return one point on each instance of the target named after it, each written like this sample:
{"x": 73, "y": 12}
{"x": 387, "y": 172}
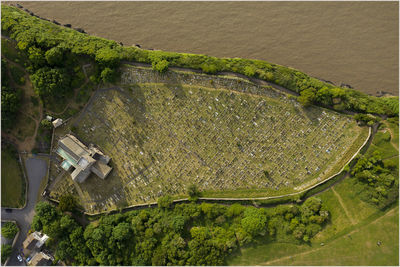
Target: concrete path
{"x": 36, "y": 170}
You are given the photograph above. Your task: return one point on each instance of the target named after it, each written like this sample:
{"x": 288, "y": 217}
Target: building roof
{"x": 33, "y": 242}
{"x": 30, "y": 242}
{"x": 84, "y": 159}
{"x": 57, "y": 122}
{"x": 101, "y": 169}
{"x": 40, "y": 259}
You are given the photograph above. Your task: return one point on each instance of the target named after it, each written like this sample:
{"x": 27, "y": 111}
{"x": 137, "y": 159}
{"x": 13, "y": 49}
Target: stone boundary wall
{"x": 133, "y": 75}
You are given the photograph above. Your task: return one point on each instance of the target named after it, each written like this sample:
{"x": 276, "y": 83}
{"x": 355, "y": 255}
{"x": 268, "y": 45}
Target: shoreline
{"x": 336, "y": 77}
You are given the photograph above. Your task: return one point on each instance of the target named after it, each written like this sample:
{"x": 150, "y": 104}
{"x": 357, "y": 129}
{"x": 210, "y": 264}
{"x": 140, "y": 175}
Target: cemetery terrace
{"x": 224, "y": 134}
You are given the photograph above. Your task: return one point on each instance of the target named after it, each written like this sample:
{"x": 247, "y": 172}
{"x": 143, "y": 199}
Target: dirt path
{"x": 343, "y": 206}
{"x": 272, "y": 262}
{"x": 391, "y": 137}
{"x": 29, "y": 142}
{"x": 76, "y": 92}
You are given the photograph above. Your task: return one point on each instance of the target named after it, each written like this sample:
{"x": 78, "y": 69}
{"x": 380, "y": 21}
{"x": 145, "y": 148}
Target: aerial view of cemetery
{"x": 224, "y": 135}
{"x": 117, "y": 154}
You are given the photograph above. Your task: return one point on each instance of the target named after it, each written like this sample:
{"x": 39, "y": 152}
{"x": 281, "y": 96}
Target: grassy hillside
{"x": 12, "y": 180}
{"x": 229, "y": 136}
{"x": 355, "y": 228}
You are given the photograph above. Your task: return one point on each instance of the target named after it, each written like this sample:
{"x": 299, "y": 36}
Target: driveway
{"x": 36, "y": 170}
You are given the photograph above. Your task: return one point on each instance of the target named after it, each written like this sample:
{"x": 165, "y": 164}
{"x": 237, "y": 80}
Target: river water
{"x": 345, "y": 42}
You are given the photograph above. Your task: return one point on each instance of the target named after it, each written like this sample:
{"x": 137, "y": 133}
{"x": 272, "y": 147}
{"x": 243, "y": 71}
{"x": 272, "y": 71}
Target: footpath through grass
{"x": 351, "y": 238}
{"x": 12, "y": 180}
{"x": 358, "y": 247}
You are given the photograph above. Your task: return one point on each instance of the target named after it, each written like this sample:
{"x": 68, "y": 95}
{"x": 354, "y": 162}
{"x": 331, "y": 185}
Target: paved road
{"x": 36, "y": 170}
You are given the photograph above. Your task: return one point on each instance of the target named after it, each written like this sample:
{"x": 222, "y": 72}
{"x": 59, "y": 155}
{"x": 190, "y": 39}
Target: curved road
{"x": 36, "y": 170}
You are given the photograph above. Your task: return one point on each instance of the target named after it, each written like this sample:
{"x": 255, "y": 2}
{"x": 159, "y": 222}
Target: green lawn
{"x": 12, "y": 181}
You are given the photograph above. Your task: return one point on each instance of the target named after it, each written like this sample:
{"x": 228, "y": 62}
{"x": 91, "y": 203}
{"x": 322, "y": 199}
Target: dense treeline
{"x": 377, "y": 173}
{"x": 33, "y": 33}
{"x": 377, "y": 180}
{"x": 184, "y": 234}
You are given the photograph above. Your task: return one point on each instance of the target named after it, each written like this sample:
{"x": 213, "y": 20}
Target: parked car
{"x": 28, "y": 259}
{"x": 8, "y": 210}
{"x": 19, "y": 258}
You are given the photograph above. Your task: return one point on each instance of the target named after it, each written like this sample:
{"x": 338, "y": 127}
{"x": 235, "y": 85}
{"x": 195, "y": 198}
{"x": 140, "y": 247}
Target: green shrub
{"x": 5, "y": 252}
{"x": 107, "y": 75}
{"x": 9, "y": 230}
{"x": 160, "y": 66}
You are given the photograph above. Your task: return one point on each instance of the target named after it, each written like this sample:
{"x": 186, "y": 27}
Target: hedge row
{"x": 30, "y": 31}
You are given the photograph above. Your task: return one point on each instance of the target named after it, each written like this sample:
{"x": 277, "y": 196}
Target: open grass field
{"x": 12, "y": 180}
{"x": 351, "y": 236}
{"x": 165, "y": 132}
{"x": 356, "y": 247}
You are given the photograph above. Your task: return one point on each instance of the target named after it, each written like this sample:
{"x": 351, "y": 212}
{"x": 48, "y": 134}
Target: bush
{"x": 67, "y": 203}
{"x": 107, "y": 75}
{"x": 160, "y": 66}
{"x": 5, "y": 252}
{"x": 54, "y": 56}
{"x": 165, "y": 202}
{"x": 49, "y": 82}
{"x": 193, "y": 192}
{"x": 46, "y": 125}
{"x": 9, "y": 230}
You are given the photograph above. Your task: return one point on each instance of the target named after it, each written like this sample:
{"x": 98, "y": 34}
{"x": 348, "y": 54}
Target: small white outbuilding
{"x": 57, "y": 122}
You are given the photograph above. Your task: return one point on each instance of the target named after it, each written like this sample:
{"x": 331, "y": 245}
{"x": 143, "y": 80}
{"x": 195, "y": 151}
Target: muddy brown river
{"x": 345, "y": 42}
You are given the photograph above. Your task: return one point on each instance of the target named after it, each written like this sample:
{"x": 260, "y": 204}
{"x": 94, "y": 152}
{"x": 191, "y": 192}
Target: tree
{"x": 209, "y": 68}
{"x": 9, "y": 230}
{"x": 67, "y": 203}
{"x": 193, "y": 192}
{"x": 254, "y": 221}
{"x": 46, "y": 124}
{"x": 178, "y": 223}
{"x": 36, "y": 56}
{"x": 165, "y": 202}
{"x": 307, "y": 97}
{"x": 65, "y": 250}
{"x": 67, "y": 224}
{"x": 36, "y": 224}
{"x": 54, "y": 56}
{"x": 121, "y": 232}
{"x": 49, "y": 82}
{"x": 107, "y": 75}
{"x": 249, "y": 71}
{"x": 235, "y": 210}
{"x": 108, "y": 57}
{"x": 5, "y": 252}
{"x": 46, "y": 212}
{"x": 161, "y": 66}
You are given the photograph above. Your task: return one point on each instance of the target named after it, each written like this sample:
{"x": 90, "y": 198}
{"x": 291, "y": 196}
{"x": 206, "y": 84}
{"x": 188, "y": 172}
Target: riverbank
{"x": 336, "y": 45}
